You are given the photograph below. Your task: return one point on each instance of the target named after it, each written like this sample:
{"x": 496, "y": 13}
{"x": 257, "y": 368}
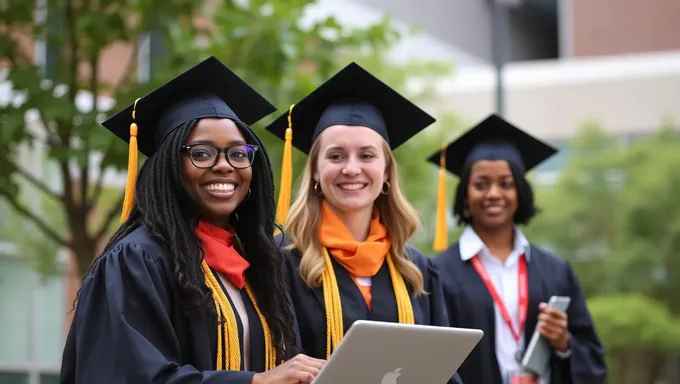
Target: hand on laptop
{"x": 299, "y": 369}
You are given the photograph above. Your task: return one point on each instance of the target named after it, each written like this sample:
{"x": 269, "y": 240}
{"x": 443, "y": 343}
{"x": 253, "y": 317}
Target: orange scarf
{"x": 220, "y": 254}
{"x": 360, "y": 259}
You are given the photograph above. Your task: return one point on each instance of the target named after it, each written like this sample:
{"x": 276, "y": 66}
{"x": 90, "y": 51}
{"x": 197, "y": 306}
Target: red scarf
{"x": 220, "y": 254}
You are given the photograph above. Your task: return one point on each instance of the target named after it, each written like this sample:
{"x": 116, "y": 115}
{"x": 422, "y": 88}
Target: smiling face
{"x": 220, "y": 188}
{"x": 351, "y": 167}
{"x": 491, "y": 194}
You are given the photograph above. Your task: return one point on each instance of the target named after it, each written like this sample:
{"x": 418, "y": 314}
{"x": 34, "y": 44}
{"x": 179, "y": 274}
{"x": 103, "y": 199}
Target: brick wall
{"x": 611, "y": 27}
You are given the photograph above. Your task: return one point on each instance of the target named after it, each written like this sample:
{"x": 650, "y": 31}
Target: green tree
{"x": 265, "y": 43}
{"x": 638, "y": 342}
{"x": 76, "y": 34}
{"x": 614, "y": 215}
{"x": 260, "y": 40}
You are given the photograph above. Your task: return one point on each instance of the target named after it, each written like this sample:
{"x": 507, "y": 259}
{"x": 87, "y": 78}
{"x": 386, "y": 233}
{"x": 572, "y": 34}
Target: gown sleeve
{"x": 435, "y": 289}
{"x": 586, "y": 363}
{"x": 122, "y": 330}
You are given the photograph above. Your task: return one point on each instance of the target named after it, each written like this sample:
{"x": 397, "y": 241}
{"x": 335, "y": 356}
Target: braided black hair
{"x": 165, "y": 208}
{"x": 526, "y": 208}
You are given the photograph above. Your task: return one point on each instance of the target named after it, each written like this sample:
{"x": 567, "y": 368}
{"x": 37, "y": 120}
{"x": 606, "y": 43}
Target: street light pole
{"x": 498, "y": 47}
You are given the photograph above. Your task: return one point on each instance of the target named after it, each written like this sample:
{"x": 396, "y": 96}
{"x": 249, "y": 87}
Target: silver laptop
{"x": 375, "y": 352}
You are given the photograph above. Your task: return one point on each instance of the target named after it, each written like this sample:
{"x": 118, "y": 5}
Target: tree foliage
{"x": 613, "y": 214}
{"x": 54, "y": 113}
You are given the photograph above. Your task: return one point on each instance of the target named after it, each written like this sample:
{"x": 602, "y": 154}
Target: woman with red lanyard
{"x": 495, "y": 279}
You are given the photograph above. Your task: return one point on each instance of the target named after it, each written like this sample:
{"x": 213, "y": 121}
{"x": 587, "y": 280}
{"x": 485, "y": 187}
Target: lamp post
{"x": 499, "y": 37}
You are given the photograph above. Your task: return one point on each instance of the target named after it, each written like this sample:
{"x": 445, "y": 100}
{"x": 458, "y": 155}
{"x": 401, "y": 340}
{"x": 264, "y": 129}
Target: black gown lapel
{"x": 479, "y": 298}
{"x": 354, "y": 307}
{"x": 471, "y": 306}
{"x": 384, "y": 307}
{"x": 200, "y": 337}
{"x": 353, "y": 304}
{"x": 536, "y": 295}
{"x": 239, "y": 322}
{"x": 257, "y": 346}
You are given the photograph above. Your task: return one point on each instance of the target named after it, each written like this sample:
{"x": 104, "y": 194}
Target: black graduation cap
{"x": 207, "y": 90}
{"x": 352, "y": 96}
{"x": 492, "y": 139}
{"x": 495, "y": 139}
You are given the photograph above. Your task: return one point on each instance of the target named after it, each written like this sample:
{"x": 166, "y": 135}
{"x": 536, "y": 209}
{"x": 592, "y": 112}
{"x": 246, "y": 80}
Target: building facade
{"x": 570, "y": 61}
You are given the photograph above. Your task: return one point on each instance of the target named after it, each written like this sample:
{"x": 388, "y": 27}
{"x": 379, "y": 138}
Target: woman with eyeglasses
{"x": 190, "y": 289}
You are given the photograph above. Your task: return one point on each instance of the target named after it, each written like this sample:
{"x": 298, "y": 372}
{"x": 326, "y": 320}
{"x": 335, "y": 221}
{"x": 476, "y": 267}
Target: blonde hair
{"x": 396, "y": 213}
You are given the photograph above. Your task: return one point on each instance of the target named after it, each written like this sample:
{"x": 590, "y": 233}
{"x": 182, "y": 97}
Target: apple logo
{"x": 391, "y": 377}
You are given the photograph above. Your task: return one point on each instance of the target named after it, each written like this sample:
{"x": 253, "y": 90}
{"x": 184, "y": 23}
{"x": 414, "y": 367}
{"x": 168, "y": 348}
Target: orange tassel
{"x": 133, "y": 165}
{"x": 441, "y": 227}
{"x": 286, "y": 173}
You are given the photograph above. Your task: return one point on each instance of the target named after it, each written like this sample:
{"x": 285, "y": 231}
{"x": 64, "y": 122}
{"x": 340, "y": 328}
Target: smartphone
{"x": 538, "y": 352}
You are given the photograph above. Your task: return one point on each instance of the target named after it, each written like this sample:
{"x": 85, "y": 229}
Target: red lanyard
{"x": 523, "y": 283}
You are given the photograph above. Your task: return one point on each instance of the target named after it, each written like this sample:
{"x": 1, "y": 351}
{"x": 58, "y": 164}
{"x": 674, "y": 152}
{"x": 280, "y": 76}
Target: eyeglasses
{"x": 206, "y": 155}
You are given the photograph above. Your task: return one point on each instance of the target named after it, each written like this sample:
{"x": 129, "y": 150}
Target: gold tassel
{"x": 286, "y": 173}
{"x": 331, "y": 298}
{"x": 227, "y": 324}
{"x": 441, "y": 228}
{"x": 133, "y": 164}
{"x": 269, "y": 350}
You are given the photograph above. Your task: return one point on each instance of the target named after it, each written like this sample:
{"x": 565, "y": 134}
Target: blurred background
{"x": 598, "y": 79}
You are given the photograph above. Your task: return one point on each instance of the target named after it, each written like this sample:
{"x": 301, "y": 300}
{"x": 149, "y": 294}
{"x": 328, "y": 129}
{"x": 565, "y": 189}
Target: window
{"x": 559, "y": 161}
{"x": 32, "y": 322}
{"x": 150, "y": 49}
{"x": 548, "y": 172}
{"x": 15, "y": 316}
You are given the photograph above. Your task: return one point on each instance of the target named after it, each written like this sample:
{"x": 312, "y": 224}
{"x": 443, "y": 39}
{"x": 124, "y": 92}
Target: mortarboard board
{"x": 495, "y": 139}
{"x": 492, "y": 139}
{"x": 206, "y": 90}
{"x": 353, "y": 96}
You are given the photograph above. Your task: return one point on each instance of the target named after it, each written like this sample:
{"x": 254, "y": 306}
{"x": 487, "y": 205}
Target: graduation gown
{"x": 469, "y": 305}
{"x": 311, "y": 313}
{"x": 129, "y": 326}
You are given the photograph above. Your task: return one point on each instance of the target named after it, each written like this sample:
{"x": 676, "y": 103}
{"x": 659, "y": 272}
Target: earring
{"x": 384, "y": 190}
{"x": 248, "y": 195}
{"x": 317, "y": 189}
{"x": 236, "y": 213}
{"x": 466, "y": 213}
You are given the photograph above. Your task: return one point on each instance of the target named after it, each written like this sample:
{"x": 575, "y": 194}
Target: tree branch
{"x": 94, "y": 92}
{"x": 40, "y": 223}
{"x": 34, "y": 181}
{"x": 99, "y": 183}
{"x": 98, "y": 188}
{"x": 112, "y": 213}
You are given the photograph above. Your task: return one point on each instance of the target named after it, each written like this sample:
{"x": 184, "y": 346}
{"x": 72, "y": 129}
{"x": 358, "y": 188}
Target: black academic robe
{"x": 129, "y": 326}
{"x": 470, "y": 305}
{"x": 310, "y": 310}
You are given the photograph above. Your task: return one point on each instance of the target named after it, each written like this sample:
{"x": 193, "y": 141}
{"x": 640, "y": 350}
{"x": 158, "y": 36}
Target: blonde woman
{"x": 347, "y": 256}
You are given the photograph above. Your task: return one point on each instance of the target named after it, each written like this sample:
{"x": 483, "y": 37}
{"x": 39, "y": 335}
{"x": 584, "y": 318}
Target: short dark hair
{"x": 526, "y": 209}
